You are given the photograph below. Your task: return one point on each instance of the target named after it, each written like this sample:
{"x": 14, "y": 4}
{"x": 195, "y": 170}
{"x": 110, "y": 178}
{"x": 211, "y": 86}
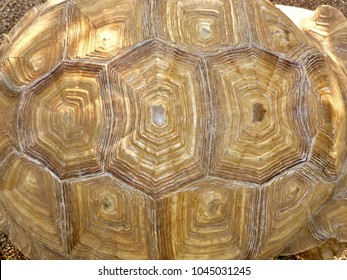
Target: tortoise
{"x": 211, "y": 129}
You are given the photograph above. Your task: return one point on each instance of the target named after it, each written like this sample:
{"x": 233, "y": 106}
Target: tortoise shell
{"x": 210, "y": 129}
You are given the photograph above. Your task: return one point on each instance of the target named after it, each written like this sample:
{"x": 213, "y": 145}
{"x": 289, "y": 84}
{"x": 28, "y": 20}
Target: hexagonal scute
{"x": 33, "y": 196}
{"x": 161, "y": 110}
{"x": 223, "y": 224}
{"x": 109, "y": 220}
{"x": 9, "y": 102}
{"x": 204, "y": 25}
{"x": 259, "y": 102}
{"x": 63, "y": 120}
{"x": 100, "y": 31}
{"x": 34, "y": 52}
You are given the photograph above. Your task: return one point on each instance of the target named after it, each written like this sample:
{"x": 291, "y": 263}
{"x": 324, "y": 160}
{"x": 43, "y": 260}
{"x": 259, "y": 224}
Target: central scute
{"x": 259, "y": 109}
{"x": 160, "y": 102}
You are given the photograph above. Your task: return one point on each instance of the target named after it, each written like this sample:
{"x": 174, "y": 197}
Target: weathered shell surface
{"x": 172, "y": 129}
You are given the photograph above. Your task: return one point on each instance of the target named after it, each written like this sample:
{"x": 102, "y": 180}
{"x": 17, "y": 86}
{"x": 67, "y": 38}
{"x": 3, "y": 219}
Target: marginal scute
{"x": 63, "y": 120}
{"x": 221, "y": 225}
{"x": 329, "y": 223}
{"x": 35, "y": 51}
{"x": 109, "y": 220}
{"x": 160, "y": 131}
{"x": 341, "y": 189}
{"x": 102, "y": 31}
{"x": 25, "y": 23}
{"x": 329, "y": 250}
{"x": 9, "y": 101}
{"x": 274, "y": 31}
{"x": 329, "y": 26}
{"x": 257, "y": 96}
{"x": 327, "y": 152}
{"x": 16, "y": 234}
{"x": 33, "y": 196}
{"x": 331, "y": 220}
{"x": 288, "y": 204}
{"x": 204, "y": 25}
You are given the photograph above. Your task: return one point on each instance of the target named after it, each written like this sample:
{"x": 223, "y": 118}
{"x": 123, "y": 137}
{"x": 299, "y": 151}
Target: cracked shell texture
{"x": 171, "y": 130}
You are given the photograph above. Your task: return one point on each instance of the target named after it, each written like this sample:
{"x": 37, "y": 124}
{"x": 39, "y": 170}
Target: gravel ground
{"x": 313, "y": 4}
{"x": 12, "y": 10}
{"x": 8, "y": 251}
